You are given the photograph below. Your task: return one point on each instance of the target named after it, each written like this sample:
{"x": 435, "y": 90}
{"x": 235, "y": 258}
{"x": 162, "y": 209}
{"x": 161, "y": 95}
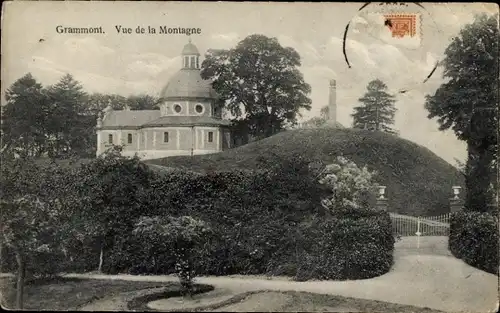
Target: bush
{"x": 341, "y": 247}
{"x": 474, "y": 238}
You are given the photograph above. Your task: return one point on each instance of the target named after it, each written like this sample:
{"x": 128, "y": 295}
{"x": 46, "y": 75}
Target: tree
{"x": 108, "y": 191}
{"x": 143, "y": 102}
{"x": 33, "y": 224}
{"x": 377, "y": 109}
{"x": 260, "y": 83}
{"x": 97, "y": 102}
{"x": 467, "y": 103}
{"x": 24, "y": 118}
{"x": 180, "y": 235}
{"x": 67, "y": 104}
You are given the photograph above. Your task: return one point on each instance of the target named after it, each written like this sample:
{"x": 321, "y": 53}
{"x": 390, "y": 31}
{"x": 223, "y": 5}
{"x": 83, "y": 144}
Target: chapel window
{"x": 199, "y": 108}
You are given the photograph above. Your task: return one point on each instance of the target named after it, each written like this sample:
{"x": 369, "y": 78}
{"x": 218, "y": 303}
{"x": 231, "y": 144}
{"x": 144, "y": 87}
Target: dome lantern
{"x": 190, "y": 56}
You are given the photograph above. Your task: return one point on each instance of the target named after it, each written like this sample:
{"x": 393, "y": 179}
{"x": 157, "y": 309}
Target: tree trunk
{"x": 20, "y": 280}
{"x": 101, "y": 259}
{"x": 478, "y": 178}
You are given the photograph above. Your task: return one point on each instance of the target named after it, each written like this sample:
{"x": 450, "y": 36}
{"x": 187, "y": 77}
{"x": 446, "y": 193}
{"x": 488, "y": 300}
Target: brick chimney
{"x": 332, "y": 104}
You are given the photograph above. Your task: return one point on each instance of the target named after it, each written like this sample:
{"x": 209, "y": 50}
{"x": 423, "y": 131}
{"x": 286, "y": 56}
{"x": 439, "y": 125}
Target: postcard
{"x": 226, "y": 156}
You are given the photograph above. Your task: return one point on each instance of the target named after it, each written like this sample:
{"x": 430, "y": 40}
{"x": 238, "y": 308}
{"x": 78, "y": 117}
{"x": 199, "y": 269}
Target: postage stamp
{"x": 402, "y": 25}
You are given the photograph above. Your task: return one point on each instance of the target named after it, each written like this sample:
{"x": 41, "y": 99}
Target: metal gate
{"x": 406, "y": 225}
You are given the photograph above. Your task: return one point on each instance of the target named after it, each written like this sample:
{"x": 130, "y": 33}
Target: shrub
{"x": 179, "y": 235}
{"x": 474, "y": 238}
{"x": 346, "y": 248}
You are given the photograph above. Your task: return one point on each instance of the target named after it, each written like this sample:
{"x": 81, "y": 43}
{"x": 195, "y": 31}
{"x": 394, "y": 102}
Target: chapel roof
{"x": 132, "y": 118}
{"x": 190, "y": 49}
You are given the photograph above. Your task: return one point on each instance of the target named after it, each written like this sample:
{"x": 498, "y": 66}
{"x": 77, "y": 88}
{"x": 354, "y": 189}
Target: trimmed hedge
{"x": 259, "y": 226}
{"x": 347, "y": 246}
{"x": 474, "y": 238}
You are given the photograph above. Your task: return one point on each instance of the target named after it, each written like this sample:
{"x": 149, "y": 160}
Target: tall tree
{"x": 24, "y": 117}
{"x": 468, "y": 103}
{"x": 67, "y": 104}
{"x": 377, "y": 108}
{"x": 260, "y": 82}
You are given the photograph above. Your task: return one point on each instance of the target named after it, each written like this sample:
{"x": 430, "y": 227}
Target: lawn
{"x": 293, "y": 301}
{"x": 69, "y": 294}
{"x": 66, "y": 293}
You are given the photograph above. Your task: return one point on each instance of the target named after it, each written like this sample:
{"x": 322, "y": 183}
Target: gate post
{"x": 381, "y": 199}
{"x": 456, "y": 203}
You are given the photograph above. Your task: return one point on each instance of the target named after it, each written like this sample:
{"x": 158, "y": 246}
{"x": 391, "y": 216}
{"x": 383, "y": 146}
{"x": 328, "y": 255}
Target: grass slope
{"x": 418, "y": 181}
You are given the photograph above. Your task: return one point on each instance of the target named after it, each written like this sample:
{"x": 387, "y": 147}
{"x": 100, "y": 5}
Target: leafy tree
{"x": 260, "y": 82}
{"x": 33, "y": 224}
{"x": 108, "y": 191}
{"x": 180, "y": 235}
{"x": 467, "y": 103}
{"x": 97, "y": 102}
{"x": 24, "y": 118}
{"x": 325, "y": 112}
{"x": 351, "y": 186}
{"x": 377, "y": 109}
{"x": 143, "y": 102}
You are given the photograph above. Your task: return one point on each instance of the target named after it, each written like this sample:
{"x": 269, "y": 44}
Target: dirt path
{"x": 424, "y": 277}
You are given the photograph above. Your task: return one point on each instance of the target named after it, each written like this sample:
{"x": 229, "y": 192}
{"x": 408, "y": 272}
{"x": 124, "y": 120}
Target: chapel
{"x": 189, "y": 121}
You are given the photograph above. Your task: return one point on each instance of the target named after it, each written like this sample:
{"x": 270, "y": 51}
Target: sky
{"x": 142, "y": 63}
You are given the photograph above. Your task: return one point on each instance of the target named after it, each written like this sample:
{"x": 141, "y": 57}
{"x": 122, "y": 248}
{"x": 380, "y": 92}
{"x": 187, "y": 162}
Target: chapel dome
{"x": 188, "y": 83}
{"x": 190, "y": 49}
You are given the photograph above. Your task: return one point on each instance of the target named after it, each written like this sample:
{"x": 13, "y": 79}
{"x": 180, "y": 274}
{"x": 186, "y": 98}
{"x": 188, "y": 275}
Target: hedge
{"x": 264, "y": 221}
{"x": 474, "y": 238}
{"x": 347, "y": 246}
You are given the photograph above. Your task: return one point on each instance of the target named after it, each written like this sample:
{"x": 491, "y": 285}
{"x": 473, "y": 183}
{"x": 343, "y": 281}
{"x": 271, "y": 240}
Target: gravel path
{"x": 424, "y": 277}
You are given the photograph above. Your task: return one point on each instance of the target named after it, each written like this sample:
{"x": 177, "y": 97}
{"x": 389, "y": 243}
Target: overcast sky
{"x": 142, "y": 63}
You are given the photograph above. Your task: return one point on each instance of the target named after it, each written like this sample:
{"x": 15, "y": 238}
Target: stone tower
{"x": 332, "y": 104}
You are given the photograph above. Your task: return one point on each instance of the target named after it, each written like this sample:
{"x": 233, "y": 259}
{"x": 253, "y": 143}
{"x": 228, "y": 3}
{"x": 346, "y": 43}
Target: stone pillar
{"x": 456, "y": 204}
{"x": 382, "y": 202}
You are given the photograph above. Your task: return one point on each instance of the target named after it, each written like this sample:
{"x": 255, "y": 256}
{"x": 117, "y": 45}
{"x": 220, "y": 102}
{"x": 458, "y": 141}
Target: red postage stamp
{"x": 401, "y": 25}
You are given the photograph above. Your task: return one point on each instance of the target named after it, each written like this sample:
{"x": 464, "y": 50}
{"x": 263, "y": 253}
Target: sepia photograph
{"x": 249, "y": 156}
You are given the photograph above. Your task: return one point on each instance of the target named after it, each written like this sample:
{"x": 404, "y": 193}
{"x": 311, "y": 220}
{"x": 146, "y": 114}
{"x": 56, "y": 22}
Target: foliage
{"x": 407, "y": 169}
{"x": 180, "y": 235}
{"x": 260, "y": 82}
{"x": 345, "y": 246}
{"x": 34, "y": 219}
{"x": 351, "y": 186}
{"x": 474, "y": 238}
{"x": 107, "y": 190}
{"x": 377, "y": 108}
{"x": 468, "y": 101}
{"x": 23, "y": 117}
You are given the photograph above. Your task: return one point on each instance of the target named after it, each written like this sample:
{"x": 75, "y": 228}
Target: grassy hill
{"x": 418, "y": 181}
